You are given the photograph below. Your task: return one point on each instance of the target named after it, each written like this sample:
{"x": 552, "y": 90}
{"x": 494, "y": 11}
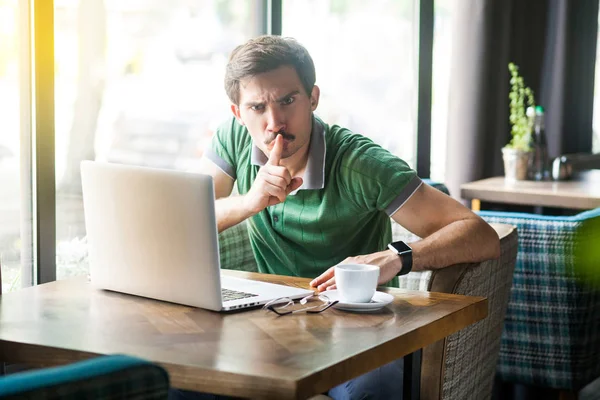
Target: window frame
{"x": 43, "y": 144}
{"x": 424, "y": 87}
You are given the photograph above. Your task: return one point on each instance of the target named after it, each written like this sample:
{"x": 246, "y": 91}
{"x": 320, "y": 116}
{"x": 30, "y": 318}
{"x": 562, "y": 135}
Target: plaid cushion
{"x": 108, "y": 377}
{"x": 235, "y": 249}
{"x": 550, "y": 338}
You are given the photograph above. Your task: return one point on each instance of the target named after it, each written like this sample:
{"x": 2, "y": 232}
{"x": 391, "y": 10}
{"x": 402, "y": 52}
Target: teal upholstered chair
{"x": 551, "y": 336}
{"x": 107, "y": 377}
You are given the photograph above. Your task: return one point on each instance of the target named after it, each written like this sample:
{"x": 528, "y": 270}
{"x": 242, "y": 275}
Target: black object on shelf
{"x": 565, "y": 166}
{"x": 539, "y": 169}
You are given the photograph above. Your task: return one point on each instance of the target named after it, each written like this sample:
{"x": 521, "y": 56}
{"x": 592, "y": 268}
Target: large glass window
{"x": 15, "y": 173}
{"x": 365, "y": 54}
{"x": 137, "y": 82}
{"x": 442, "y": 54}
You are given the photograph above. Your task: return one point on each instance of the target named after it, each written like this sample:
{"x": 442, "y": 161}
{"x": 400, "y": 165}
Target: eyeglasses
{"x": 278, "y": 306}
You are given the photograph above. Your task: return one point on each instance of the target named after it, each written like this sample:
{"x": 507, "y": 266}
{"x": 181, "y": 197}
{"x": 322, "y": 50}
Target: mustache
{"x": 286, "y": 136}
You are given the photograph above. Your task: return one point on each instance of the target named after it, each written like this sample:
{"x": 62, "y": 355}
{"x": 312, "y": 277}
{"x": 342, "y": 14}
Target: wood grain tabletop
{"x": 250, "y": 353}
{"x": 582, "y": 193}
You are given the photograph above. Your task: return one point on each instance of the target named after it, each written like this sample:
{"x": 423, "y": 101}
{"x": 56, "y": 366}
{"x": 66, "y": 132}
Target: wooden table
{"x": 582, "y": 193}
{"x": 249, "y": 353}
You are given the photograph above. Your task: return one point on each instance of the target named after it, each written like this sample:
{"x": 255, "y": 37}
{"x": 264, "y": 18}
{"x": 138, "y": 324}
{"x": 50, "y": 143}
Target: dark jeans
{"x": 382, "y": 383}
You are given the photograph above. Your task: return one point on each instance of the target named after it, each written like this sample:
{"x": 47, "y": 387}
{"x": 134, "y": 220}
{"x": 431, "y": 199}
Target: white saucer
{"x": 379, "y": 300}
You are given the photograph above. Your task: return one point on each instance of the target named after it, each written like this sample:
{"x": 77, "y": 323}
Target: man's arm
{"x": 229, "y": 210}
{"x": 223, "y": 183}
{"x": 451, "y": 234}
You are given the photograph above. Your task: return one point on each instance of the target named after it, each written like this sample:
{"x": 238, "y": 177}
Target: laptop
{"x": 153, "y": 233}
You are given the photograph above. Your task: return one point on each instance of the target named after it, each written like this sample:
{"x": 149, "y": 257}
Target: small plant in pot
{"x": 517, "y": 153}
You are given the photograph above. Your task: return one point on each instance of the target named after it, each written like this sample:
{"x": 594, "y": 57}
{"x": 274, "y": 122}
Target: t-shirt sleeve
{"x": 376, "y": 179}
{"x": 222, "y": 148}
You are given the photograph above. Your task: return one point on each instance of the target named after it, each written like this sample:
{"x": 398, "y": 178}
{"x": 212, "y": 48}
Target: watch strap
{"x": 405, "y": 256}
{"x": 406, "y": 263}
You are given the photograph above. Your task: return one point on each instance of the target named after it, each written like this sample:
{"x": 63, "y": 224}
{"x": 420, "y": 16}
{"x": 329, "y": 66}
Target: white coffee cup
{"x": 356, "y": 283}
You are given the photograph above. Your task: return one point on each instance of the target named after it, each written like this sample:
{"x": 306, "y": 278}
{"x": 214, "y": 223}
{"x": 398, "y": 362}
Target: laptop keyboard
{"x": 228, "y": 295}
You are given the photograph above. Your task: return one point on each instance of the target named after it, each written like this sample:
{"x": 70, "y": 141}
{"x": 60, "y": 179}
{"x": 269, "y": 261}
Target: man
{"x": 317, "y": 195}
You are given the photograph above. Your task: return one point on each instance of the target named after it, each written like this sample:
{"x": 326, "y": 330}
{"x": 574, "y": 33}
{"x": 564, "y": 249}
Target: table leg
{"x": 412, "y": 376}
{"x": 476, "y": 205}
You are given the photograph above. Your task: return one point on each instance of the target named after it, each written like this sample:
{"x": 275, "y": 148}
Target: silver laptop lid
{"x": 152, "y": 233}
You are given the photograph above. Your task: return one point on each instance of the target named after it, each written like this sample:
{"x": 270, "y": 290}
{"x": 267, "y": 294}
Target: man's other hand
{"x": 389, "y": 265}
{"x": 273, "y": 182}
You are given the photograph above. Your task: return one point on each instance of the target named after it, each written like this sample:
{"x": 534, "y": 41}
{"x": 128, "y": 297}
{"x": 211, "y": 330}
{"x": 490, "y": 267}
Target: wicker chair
{"x": 463, "y": 365}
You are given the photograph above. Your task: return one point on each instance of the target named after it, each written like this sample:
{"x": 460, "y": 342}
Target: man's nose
{"x": 275, "y": 119}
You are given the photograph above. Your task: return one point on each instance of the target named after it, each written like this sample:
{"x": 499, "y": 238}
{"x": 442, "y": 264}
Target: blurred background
{"x": 141, "y": 82}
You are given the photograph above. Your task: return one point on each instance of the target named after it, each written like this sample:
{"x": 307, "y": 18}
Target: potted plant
{"x": 517, "y": 153}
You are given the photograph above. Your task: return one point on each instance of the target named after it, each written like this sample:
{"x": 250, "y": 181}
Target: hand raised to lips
{"x": 273, "y": 182}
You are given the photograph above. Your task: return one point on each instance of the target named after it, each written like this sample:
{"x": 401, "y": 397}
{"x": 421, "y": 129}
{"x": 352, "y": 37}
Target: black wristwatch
{"x": 405, "y": 253}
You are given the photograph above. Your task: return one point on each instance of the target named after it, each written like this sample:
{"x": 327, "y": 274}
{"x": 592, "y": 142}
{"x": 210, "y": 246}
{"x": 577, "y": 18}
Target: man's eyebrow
{"x": 279, "y": 100}
{"x": 290, "y": 94}
{"x": 253, "y": 104}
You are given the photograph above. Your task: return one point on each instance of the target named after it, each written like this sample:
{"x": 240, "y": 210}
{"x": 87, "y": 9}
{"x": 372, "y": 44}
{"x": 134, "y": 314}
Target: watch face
{"x": 401, "y": 247}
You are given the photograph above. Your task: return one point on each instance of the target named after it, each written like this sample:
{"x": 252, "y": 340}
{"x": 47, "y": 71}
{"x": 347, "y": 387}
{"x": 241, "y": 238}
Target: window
{"x": 442, "y": 54}
{"x": 15, "y": 173}
{"x": 136, "y": 83}
{"x": 365, "y": 54}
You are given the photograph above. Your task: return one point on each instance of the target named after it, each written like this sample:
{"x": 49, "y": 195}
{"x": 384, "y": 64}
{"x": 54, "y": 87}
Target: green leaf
{"x": 520, "y": 96}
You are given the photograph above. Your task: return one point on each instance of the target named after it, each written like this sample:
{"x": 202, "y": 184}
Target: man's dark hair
{"x": 264, "y": 54}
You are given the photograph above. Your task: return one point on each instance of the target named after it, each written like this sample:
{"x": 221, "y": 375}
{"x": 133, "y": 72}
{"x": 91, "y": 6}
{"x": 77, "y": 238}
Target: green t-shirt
{"x": 351, "y": 188}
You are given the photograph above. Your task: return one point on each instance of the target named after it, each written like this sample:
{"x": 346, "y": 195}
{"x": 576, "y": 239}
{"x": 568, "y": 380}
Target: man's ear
{"x": 314, "y": 97}
{"x": 236, "y": 112}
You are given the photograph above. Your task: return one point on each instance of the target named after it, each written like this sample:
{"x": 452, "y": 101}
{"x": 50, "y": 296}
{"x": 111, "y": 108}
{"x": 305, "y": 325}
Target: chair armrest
{"x": 114, "y": 377}
{"x": 551, "y": 245}
{"x": 467, "y": 358}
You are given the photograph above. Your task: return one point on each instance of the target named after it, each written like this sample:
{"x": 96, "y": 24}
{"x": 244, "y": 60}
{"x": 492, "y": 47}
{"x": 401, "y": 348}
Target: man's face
{"x": 273, "y": 103}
